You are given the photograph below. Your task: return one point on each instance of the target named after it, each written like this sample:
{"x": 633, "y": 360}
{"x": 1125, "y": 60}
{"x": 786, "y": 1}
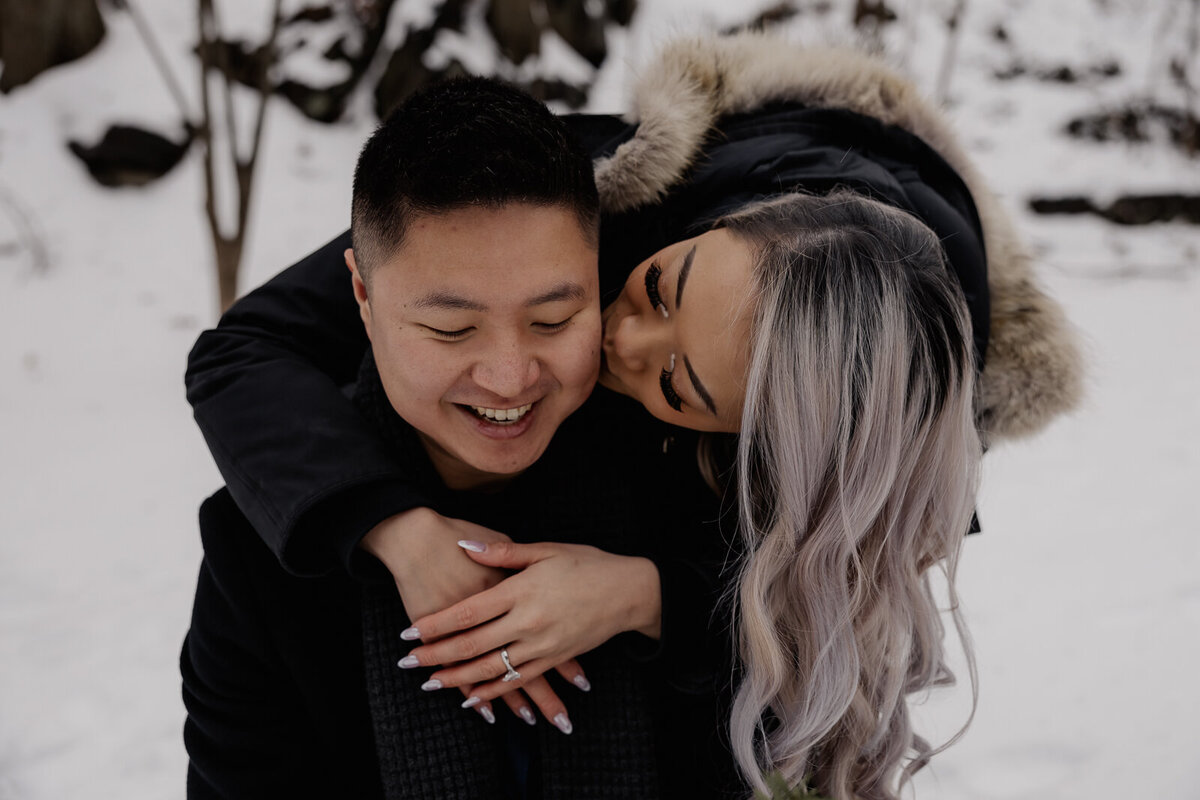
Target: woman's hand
{"x": 419, "y": 548}
{"x": 565, "y": 600}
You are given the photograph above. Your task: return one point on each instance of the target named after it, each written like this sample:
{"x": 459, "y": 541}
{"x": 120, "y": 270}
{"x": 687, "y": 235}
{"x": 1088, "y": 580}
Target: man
{"x": 473, "y": 269}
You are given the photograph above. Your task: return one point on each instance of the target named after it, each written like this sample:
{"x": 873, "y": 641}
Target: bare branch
{"x": 223, "y": 67}
{"x": 203, "y": 7}
{"x": 264, "y": 81}
{"x": 160, "y": 62}
{"x": 27, "y": 230}
{"x": 950, "y": 54}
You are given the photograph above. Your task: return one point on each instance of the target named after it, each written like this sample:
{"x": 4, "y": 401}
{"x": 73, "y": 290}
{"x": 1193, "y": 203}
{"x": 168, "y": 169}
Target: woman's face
{"x": 677, "y": 338}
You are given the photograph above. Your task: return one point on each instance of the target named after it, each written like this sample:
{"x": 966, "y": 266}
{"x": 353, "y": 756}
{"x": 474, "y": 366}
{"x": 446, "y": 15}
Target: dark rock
{"x": 512, "y": 26}
{"x": 584, "y": 33}
{"x": 1136, "y": 122}
{"x": 621, "y": 11}
{"x": 1061, "y": 205}
{"x": 554, "y": 89}
{"x": 768, "y": 18}
{"x": 872, "y": 12}
{"x": 130, "y": 156}
{"x": 1132, "y": 209}
{"x": 35, "y": 36}
{"x": 311, "y": 14}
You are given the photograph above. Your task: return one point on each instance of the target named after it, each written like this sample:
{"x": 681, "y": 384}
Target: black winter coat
{"x": 292, "y": 687}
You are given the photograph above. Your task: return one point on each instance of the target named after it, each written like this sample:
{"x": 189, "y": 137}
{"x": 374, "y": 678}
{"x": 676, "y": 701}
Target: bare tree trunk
{"x": 35, "y": 36}
{"x": 229, "y": 258}
{"x": 227, "y": 247}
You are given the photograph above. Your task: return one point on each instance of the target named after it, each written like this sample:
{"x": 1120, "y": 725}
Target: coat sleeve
{"x": 272, "y": 675}
{"x": 266, "y": 388}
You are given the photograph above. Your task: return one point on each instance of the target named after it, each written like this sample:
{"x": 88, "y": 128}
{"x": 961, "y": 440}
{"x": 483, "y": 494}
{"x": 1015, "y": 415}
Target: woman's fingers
{"x": 530, "y": 671}
{"x": 517, "y": 703}
{"x": 571, "y": 670}
{"x": 462, "y": 616}
{"x": 481, "y": 707}
{"x": 475, "y": 654}
{"x": 545, "y": 699}
{"x": 507, "y": 555}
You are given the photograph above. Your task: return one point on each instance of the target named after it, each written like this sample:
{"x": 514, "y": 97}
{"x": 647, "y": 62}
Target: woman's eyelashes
{"x": 653, "y": 274}
{"x": 653, "y": 277}
{"x": 672, "y": 397}
{"x": 668, "y": 388}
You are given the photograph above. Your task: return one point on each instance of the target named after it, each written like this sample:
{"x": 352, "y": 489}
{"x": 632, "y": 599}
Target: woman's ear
{"x": 360, "y": 290}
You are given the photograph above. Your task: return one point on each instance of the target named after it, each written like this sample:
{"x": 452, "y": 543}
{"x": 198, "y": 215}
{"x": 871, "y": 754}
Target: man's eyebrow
{"x": 699, "y": 387}
{"x": 447, "y": 300}
{"x": 683, "y": 275}
{"x": 567, "y": 290}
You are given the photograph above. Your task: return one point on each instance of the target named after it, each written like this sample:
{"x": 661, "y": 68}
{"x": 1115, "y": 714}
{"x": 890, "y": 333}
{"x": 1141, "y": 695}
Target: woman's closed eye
{"x": 668, "y": 388}
{"x": 653, "y": 275}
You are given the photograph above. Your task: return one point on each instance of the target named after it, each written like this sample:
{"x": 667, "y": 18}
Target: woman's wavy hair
{"x": 857, "y": 469}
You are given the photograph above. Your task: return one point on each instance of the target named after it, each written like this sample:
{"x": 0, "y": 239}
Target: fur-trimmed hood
{"x": 1034, "y": 370}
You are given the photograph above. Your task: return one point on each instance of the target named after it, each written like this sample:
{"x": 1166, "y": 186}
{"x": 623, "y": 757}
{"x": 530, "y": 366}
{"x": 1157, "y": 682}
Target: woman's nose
{"x": 639, "y": 342}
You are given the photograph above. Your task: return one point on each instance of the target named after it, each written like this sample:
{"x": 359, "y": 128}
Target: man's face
{"x": 486, "y": 331}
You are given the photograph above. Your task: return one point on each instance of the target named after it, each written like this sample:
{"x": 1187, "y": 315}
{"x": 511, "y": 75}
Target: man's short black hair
{"x": 465, "y": 142}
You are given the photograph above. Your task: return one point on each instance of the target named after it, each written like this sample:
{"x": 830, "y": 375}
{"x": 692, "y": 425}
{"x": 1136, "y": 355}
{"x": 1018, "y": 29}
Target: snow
{"x": 1082, "y": 595}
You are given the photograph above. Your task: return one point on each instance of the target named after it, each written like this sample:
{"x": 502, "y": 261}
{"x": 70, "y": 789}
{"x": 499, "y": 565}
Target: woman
{"x": 850, "y": 377}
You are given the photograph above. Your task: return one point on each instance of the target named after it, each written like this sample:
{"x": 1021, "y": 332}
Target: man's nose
{"x": 508, "y": 369}
{"x": 640, "y": 342}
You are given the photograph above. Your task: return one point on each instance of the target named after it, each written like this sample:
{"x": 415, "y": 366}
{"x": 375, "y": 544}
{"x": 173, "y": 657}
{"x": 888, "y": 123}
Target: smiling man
{"x": 484, "y": 322}
{"x": 479, "y": 290}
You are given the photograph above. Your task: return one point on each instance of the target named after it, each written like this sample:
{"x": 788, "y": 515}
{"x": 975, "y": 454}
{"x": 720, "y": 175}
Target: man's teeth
{"x": 503, "y": 414}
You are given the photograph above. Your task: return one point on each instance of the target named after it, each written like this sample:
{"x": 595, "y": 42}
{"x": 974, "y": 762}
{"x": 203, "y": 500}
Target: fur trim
{"x": 1034, "y": 368}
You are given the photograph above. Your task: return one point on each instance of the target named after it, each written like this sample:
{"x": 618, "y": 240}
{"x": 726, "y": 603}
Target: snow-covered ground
{"x": 1083, "y": 595}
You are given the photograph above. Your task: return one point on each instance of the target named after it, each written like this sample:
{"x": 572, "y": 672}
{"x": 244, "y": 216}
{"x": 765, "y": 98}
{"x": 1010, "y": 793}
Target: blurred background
{"x": 136, "y": 199}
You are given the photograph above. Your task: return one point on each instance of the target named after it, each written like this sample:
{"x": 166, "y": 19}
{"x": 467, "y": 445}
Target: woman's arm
{"x": 266, "y": 387}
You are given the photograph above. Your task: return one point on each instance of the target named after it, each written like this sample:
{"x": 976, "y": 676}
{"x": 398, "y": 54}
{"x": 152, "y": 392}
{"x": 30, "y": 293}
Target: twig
{"x": 950, "y": 54}
{"x": 26, "y": 231}
{"x": 160, "y": 62}
{"x": 915, "y": 8}
{"x": 264, "y": 92}
{"x": 228, "y": 247}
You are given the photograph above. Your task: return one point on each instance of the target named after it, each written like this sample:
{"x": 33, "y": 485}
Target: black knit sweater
{"x": 592, "y": 487}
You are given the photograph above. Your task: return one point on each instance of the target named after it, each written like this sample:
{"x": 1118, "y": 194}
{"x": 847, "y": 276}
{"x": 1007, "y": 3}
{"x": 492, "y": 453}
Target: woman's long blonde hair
{"x": 857, "y": 469}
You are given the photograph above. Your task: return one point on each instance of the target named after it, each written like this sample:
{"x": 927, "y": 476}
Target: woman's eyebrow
{"x": 698, "y": 386}
{"x": 683, "y": 275}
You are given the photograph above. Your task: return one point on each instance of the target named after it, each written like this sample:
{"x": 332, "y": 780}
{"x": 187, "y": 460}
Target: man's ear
{"x": 360, "y": 291}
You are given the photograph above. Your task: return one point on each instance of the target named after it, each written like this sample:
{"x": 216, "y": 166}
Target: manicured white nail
{"x": 582, "y": 683}
{"x": 409, "y": 634}
{"x": 562, "y": 723}
{"x": 487, "y": 714}
{"x": 527, "y": 715}
{"x": 408, "y": 662}
{"x": 474, "y": 547}
{"x": 431, "y": 685}
{"x": 470, "y": 702}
